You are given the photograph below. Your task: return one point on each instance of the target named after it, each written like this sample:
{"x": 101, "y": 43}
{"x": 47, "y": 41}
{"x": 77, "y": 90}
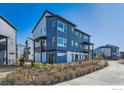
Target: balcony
{"x": 2, "y": 47}
{"x": 39, "y": 35}
{"x": 40, "y": 49}
{"x": 85, "y": 50}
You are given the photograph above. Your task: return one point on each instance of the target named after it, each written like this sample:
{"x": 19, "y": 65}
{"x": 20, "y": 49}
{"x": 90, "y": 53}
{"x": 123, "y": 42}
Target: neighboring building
{"x": 57, "y": 40}
{"x": 121, "y": 55}
{"x": 7, "y": 42}
{"x": 20, "y": 51}
{"x": 29, "y": 49}
{"x": 108, "y": 52}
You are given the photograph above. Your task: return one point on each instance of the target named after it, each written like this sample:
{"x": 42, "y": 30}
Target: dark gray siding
{"x": 63, "y": 35}
{"x": 51, "y": 32}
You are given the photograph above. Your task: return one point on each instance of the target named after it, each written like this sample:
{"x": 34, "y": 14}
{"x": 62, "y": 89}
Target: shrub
{"x": 46, "y": 74}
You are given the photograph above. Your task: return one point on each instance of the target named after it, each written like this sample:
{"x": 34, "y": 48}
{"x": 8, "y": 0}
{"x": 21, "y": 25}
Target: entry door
{"x": 51, "y": 58}
{"x": 76, "y": 57}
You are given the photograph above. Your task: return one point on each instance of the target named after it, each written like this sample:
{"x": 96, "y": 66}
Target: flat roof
{"x": 3, "y": 18}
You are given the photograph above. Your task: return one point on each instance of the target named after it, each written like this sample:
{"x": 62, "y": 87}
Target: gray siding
{"x": 51, "y": 32}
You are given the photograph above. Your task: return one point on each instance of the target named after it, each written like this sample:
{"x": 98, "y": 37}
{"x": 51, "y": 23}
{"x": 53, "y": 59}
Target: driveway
{"x": 111, "y": 75}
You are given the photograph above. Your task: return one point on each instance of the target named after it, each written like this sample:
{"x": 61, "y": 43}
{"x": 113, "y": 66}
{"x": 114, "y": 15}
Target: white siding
{"x": 8, "y": 31}
{"x": 31, "y": 45}
{"x": 41, "y": 26}
{"x": 37, "y": 57}
{"x": 106, "y": 51}
{"x": 69, "y": 56}
{"x": 20, "y": 51}
{"x": 43, "y": 56}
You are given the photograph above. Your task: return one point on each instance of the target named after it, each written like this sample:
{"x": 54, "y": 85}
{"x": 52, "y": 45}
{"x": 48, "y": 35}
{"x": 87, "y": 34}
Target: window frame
{"x": 64, "y": 42}
{"x": 63, "y": 28}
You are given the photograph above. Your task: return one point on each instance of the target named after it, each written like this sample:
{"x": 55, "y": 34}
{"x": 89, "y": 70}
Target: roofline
{"x": 30, "y": 38}
{"x": 107, "y": 46}
{"x": 82, "y": 32}
{"x": 41, "y": 19}
{"x": 65, "y": 20}
{"x": 53, "y": 15}
{"x": 7, "y": 22}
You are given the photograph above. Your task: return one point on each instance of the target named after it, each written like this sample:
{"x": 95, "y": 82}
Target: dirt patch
{"x": 5, "y": 70}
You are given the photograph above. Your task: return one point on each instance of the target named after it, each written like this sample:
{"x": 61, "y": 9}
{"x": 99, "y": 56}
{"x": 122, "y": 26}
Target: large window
{"x": 76, "y": 44}
{"x": 72, "y": 43}
{"x": 61, "y": 26}
{"x": 53, "y": 23}
{"x": 53, "y": 40}
{"x": 80, "y": 35}
{"x": 86, "y": 47}
{"x": 61, "y": 42}
{"x": 61, "y": 54}
{"x": 76, "y": 33}
{"x": 86, "y": 37}
{"x": 72, "y": 29}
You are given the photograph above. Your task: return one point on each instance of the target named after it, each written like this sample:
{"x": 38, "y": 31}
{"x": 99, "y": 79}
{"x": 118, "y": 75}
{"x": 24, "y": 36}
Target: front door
{"x": 51, "y": 58}
{"x": 76, "y": 57}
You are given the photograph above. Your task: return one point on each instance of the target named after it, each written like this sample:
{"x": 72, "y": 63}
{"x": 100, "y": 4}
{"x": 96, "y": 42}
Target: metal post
{"x": 34, "y": 51}
{"x": 41, "y": 50}
{"x": 6, "y": 51}
{"x": 92, "y": 51}
{"x": 88, "y": 51}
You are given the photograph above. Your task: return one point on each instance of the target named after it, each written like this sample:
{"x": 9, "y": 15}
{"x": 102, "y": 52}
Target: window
{"x": 53, "y": 24}
{"x": 76, "y": 33}
{"x": 61, "y": 26}
{"x": 80, "y": 35}
{"x": 76, "y": 44}
{"x": 61, "y": 42}
{"x": 53, "y": 40}
{"x": 76, "y": 57}
{"x": 72, "y": 29}
{"x": 80, "y": 56}
{"x": 80, "y": 46}
{"x": 86, "y": 47}
{"x": 72, "y": 57}
{"x": 61, "y": 54}
{"x": 44, "y": 43}
{"x": 72, "y": 43}
{"x": 86, "y": 37}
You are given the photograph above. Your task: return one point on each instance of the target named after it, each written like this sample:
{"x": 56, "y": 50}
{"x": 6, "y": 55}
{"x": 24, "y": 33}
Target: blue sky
{"x": 105, "y": 22}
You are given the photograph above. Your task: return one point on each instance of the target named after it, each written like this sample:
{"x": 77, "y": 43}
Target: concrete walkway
{"x": 111, "y": 75}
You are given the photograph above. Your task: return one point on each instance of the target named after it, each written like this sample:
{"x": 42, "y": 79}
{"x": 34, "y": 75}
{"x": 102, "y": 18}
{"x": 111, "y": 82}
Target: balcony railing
{"x": 39, "y": 35}
{"x": 86, "y": 50}
{"x": 40, "y": 49}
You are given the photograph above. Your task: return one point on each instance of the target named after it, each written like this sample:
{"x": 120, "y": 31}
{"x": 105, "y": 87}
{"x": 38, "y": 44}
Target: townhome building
{"x": 57, "y": 40}
{"x": 20, "y": 51}
{"x": 108, "y": 51}
{"x": 29, "y": 49}
{"x": 7, "y": 42}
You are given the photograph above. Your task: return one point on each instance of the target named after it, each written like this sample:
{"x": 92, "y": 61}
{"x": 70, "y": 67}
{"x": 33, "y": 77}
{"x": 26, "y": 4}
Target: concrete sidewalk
{"x": 111, "y": 75}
